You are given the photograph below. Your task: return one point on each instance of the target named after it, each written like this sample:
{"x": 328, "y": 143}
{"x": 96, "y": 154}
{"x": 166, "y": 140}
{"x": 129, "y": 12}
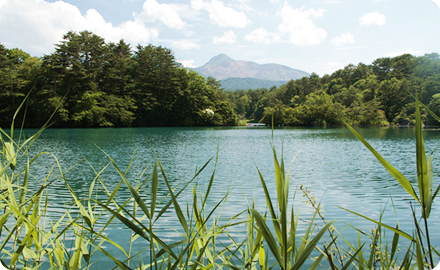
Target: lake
{"x": 330, "y": 162}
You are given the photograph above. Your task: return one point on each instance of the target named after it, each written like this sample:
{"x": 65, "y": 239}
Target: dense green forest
{"x": 94, "y": 84}
{"x": 91, "y": 83}
{"x": 376, "y": 94}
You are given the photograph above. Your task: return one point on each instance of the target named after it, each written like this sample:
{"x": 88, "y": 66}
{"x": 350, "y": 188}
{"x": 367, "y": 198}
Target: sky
{"x": 318, "y": 36}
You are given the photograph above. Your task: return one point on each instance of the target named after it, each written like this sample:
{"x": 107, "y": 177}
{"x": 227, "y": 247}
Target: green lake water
{"x": 335, "y": 167}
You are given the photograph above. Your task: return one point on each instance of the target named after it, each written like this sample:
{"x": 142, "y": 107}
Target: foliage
{"x": 426, "y": 194}
{"x": 98, "y": 84}
{"x": 32, "y": 237}
{"x": 368, "y": 95}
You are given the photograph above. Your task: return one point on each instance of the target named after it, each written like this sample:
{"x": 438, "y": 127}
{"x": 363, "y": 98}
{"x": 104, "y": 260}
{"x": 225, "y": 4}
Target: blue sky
{"x": 319, "y": 36}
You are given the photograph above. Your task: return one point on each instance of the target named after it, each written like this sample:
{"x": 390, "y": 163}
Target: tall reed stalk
{"x": 31, "y": 237}
{"x": 425, "y": 187}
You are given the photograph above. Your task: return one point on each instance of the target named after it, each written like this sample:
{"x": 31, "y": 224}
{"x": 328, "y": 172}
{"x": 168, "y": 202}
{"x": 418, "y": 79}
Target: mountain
{"x": 223, "y": 67}
{"x": 234, "y": 84}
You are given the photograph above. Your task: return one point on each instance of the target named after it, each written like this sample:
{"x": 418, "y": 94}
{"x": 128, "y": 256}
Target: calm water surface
{"x": 335, "y": 167}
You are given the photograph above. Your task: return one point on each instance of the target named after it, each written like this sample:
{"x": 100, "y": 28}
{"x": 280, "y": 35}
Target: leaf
{"x": 10, "y": 155}
{"x": 311, "y": 246}
{"x": 315, "y": 264}
{"x": 177, "y": 208}
{"x": 269, "y": 203}
{"x": 393, "y": 171}
{"x": 267, "y": 235}
{"x": 402, "y": 233}
{"x": 347, "y": 264}
{"x": 154, "y": 188}
{"x": 419, "y": 255}
{"x": 429, "y": 197}
{"x": 422, "y": 165}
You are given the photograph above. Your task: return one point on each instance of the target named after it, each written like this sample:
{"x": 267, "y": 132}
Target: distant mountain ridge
{"x": 234, "y": 84}
{"x": 223, "y": 67}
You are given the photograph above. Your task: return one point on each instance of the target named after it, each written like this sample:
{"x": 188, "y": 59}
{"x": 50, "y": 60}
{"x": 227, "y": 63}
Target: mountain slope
{"x": 234, "y": 84}
{"x": 223, "y": 67}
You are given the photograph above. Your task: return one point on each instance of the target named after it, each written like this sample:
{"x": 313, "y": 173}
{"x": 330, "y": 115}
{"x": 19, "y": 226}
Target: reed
{"x": 32, "y": 237}
{"x": 425, "y": 197}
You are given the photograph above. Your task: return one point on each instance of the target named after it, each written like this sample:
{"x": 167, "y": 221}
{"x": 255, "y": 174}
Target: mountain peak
{"x": 222, "y": 67}
{"x": 219, "y": 59}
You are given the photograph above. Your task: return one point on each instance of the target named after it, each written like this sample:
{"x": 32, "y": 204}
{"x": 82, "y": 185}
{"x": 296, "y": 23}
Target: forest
{"x": 90, "y": 83}
{"x": 87, "y": 82}
{"x": 369, "y": 95}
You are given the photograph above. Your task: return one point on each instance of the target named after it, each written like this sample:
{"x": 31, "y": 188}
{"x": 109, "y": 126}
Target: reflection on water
{"x": 331, "y": 164}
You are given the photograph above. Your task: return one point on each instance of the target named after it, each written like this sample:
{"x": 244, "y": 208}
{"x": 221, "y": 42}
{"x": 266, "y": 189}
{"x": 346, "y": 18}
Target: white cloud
{"x": 261, "y": 35}
{"x": 187, "y": 63}
{"x": 373, "y": 18}
{"x": 165, "y": 13}
{"x": 299, "y": 25}
{"x": 36, "y": 25}
{"x": 222, "y": 15}
{"x": 185, "y": 44}
{"x": 228, "y": 37}
{"x": 435, "y": 1}
{"x": 343, "y": 39}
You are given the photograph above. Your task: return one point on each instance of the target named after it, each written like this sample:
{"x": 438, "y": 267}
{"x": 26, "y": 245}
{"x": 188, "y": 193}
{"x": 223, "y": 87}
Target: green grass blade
{"x": 429, "y": 197}
{"x": 162, "y": 211}
{"x": 82, "y": 210}
{"x": 25, "y": 183}
{"x": 394, "y": 244}
{"x": 430, "y": 112}
{"x": 310, "y": 247}
{"x": 271, "y": 208}
{"x": 126, "y": 221}
{"x": 177, "y": 208}
{"x": 360, "y": 254}
{"x": 353, "y": 257}
{"x": 422, "y": 164}
{"x": 211, "y": 181}
{"x": 138, "y": 230}
{"x": 267, "y": 235}
{"x": 419, "y": 256}
{"x": 133, "y": 192}
{"x": 436, "y": 192}
{"x": 402, "y": 233}
{"x": 154, "y": 188}
{"x": 393, "y": 171}
{"x": 120, "y": 264}
{"x": 315, "y": 264}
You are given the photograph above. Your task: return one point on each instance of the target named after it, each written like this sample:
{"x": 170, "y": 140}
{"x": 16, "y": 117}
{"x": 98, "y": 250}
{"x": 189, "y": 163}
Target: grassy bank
{"x": 33, "y": 238}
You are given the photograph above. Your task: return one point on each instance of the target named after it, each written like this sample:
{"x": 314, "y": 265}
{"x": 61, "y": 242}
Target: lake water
{"x": 331, "y": 163}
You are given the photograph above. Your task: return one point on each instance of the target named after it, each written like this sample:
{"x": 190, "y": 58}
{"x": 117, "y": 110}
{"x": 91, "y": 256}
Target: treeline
{"x": 90, "y": 83}
{"x": 376, "y": 94}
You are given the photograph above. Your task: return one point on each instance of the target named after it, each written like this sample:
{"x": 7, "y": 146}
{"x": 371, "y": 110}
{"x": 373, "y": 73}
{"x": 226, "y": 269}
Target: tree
{"x": 393, "y": 94}
{"x": 319, "y": 109}
{"x": 159, "y": 84}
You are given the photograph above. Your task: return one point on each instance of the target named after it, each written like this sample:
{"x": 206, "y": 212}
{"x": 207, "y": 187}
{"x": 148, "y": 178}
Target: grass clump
{"x": 32, "y": 237}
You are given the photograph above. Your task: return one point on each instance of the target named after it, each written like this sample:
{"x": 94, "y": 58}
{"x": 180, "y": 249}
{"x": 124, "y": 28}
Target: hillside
{"x": 234, "y": 84}
{"x": 223, "y": 67}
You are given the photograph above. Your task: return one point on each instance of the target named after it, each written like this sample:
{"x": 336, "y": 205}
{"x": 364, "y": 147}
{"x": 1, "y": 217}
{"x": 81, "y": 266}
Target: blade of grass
{"x": 400, "y": 232}
{"x": 310, "y": 247}
{"x": 393, "y": 171}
